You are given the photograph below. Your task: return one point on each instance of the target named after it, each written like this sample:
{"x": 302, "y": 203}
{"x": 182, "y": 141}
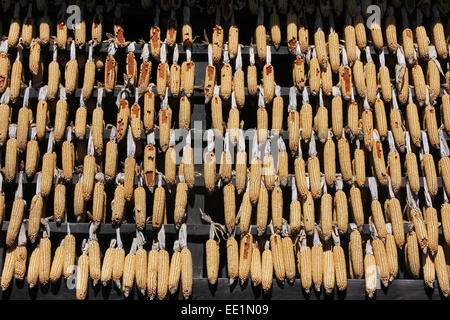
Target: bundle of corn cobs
{"x": 95, "y": 126}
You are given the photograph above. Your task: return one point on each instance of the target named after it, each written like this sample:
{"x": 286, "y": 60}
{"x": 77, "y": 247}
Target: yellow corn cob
{"x": 344, "y": 160}
{"x": 170, "y": 167}
{"x": 17, "y": 215}
{"x": 129, "y": 170}
{"x": 107, "y": 265}
{"x": 141, "y": 270}
{"x": 412, "y": 254}
{"x": 328, "y": 271}
{"x": 370, "y": 268}
{"x": 255, "y": 268}
{"x": 155, "y": 42}
{"x": 394, "y": 212}
{"x": 277, "y": 114}
{"x": 16, "y": 79}
{"x": 71, "y": 76}
{"x": 94, "y": 261}
{"x": 288, "y": 258}
{"x": 129, "y": 270}
{"x": 212, "y": 260}
{"x": 291, "y": 31}
{"x": 11, "y": 160}
{"x": 326, "y": 215}
{"x": 367, "y": 127}
{"x": 345, "y": 78}
{"x": 216, "y": 111}
{"x": 441, "y": 271}
{"x": 317, "y": 266}
{"x": 314, "y": 76}
{"x": 445, "y": 110}
{"x": 378, "y": 218}
{"x": 320, "y": 46}
{"x": 260, "y": 37}
{"x": 110, "y": 73}
{"x": 439, "y": 40}
{"x": 37, "y": 209}
{"x": 118, "y": 264}
{"x": 14, "y": 32}
{"x": 5, "y": 115}
{"x": 430, "y": 125}
{"x": 295, "y": 216}
{"x": 359, "y": 78}
{"x": 97, "y": 28}
{"x": 80, "y": 33}
{"x": 268, "y": 83}
{"x": 395, "y": 171}
{"x": 356, "y": 254}
{"x": 308, "y": 213}
{"x": 180, "y": 203}
{"x": 268, "y": 172}
{"x": 159, "y": 205}
{"x": 27, "y": 31}
{"x": 20, "y": 264}
{"x": 304, "y": 267}
{"x": 262, "y": 210}
{"x": 429, "y": 273}
{"x": 217, "y": 43}
{"x": 408, "y": 45}
{"x": 59, "y": 203}
{"x": 89, "y": 171}
{"x": 111, "y": 154}
{"x": 98, "y": 202}
{"x": 35, "y": 57}
{"x": 152, "y": 273}
{"x": 277, "y": 256}
{"x": 226, "y": 75}
{"x": 298, "y": 73}
{"x": 412, "y": 171}
{"x": 209, "y": 171}
{"x": 184, "y": 118}
{"x": 255, "y": 180}
{"x": 275, "y": 32}
{"x": 327, "y": 80}
{"x": 413, "y": 123}
{"x": 433, "y": 79}
{"x": 419, "y": 84}
{"x": 337, "y": 119}
{"x": 391, "y": 33}
{"x": 186, "y": 272}
{"x": 340, "y": 268}
{"x": 232, "y": 259}
{"x": 431, "y": 221}
{"x": 294, "y": 130}
{"x": 5, "y": 67}
{"x": 385, "y": 83}
{"x": 82, "y": 277}
{"x": 402, "y": 84}
{"x": 379, "y": 163}
{"x": 44, "y": 260}
{"x": 371, "y": 82}
{"x": 267, "y": 270}
{"x": 341, "y": 211}
{"x": 350, "y": 43}
{"x": 140, "y": 212}
{"x": 303, "y": 34}
{"x": 360, "y": 32}
{"x": 333, "y": 49}
{"x": 42, "y": 118}
{"x": 444, "y": 164}
{"x": 8, "y": 268}
{"x": 24, "y": 119}
{"x": 277, "y": 208}
{"x": 381, "y": 260}
{"x": 69, "y": 256}
{"x": 329, "y": 156}
{"x": 80, "y": 122}
{"x": 174, "y": 272}
{"x": 252, "y": 80}
{"x": 33, "y": 268}
{"x": 118, "y": 205}
{"x": 353, "y": 118}
{"x": 283, "y": 167}
{"x": 165, "y": 123}
{"x": 245, "y": 257}
{"x": 429, "y": 169}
